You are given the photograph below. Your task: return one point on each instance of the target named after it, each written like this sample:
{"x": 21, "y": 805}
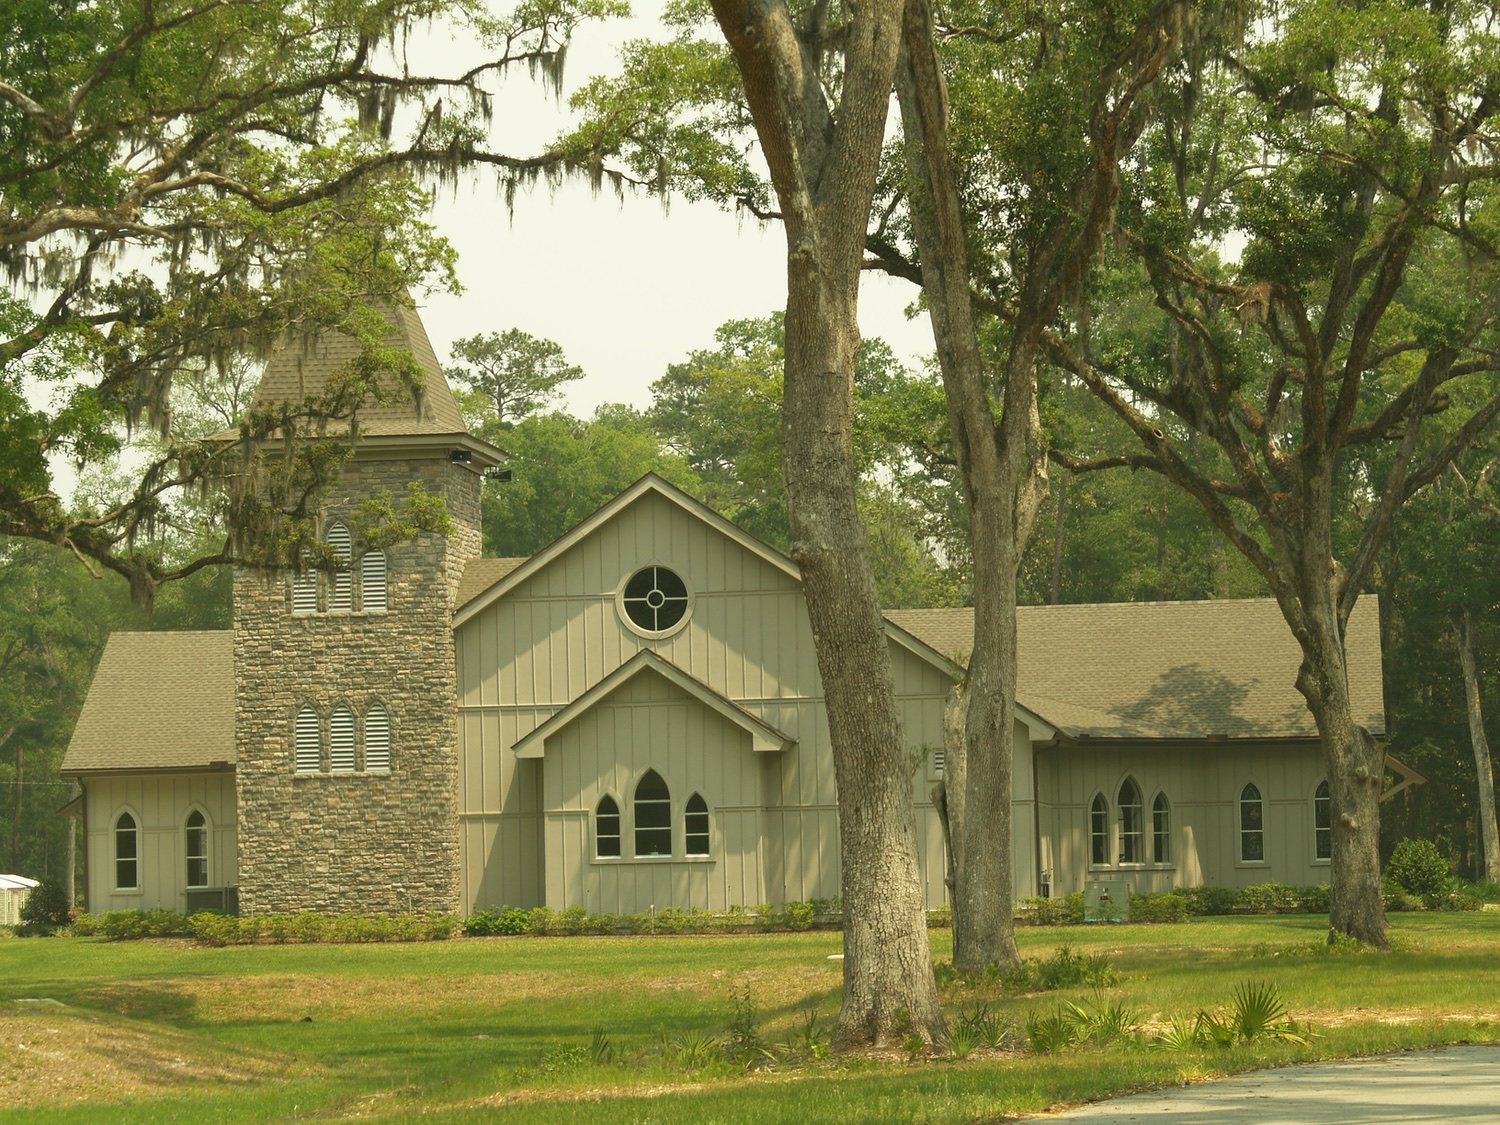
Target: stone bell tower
{"x": 345, "y": 695}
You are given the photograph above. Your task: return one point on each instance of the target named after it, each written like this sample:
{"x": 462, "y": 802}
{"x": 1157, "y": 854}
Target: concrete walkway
{"x": 1460, "y": 1084}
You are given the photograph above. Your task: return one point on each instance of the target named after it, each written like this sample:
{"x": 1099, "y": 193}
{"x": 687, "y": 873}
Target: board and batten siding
{"x": 559, "y": 632}
{"x": 160, "y": 804}
{"x": 1203, "y": 786}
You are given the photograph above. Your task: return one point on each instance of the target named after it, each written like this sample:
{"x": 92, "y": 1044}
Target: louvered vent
{"x": 305, "y": 589}
{"x": 309, "y": 742}
{"x": 938, "y": 758}
{"x": 341, "y": 599}
{"x": 377, "y": 739}
{"x": 341, "y": 740}
{"x": 372, "y": 597}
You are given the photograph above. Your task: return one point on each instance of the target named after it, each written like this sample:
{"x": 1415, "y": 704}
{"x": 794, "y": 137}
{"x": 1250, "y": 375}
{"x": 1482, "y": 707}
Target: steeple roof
{"x": 296, "y": 369}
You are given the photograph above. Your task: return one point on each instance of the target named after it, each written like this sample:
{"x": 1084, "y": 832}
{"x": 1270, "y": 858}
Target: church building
{"x": 632, "y": 717}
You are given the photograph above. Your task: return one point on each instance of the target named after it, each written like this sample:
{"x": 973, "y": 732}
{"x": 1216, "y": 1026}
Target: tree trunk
{"x": 823, "y": 167}
{"x": 1489, "y": 837}
{"x": 1054, "y": 593}
{"x": 1356, "y": 774}
{"x": 991, "y": 466}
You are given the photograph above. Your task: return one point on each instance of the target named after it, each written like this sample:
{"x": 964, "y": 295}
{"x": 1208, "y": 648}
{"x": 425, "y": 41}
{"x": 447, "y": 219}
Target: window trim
{"x": 1095, "y": 815}
{"x": 619, "y": 833}
{"x": 114, "y": 850}
{"x": 207, "y": 857}
{"x": 654, "y": 634}
{"x": 1241, "y": 832}
{"x": 1138, "y": 835}
{"x": 670, "y": 828}
{"x": 1324, "y": 830}
{"x": 1161, "y": 838}
{"x": 687, "y": 832}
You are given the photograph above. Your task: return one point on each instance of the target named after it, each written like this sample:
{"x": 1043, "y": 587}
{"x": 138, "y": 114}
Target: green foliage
{"x": 46, "y": 905}
{"x": 1063, "y": 969}
{"x": 503, "y": 377}
{"x": 1419, "y": 868}
{"x": 1168, "y": 907}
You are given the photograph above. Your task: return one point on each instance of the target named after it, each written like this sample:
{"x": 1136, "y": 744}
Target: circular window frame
{"x": 636, "y": 628}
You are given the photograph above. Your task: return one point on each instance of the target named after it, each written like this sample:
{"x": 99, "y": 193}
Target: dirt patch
{"x": 59, "y": 1056}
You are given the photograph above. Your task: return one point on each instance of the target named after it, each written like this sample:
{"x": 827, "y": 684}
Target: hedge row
{"x": 540, "y": 921}
{"x": 226, "y": 929}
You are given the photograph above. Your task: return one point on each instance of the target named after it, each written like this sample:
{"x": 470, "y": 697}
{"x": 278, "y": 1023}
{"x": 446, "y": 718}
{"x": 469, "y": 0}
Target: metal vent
{"x": 305, "y": 589}
{"x": 309, "y": 741}
{"x": 372, "y": 583}
{"x": 377, "y": 738}
{"x": 341, "y": 600}
{"x": 341, "y": 740}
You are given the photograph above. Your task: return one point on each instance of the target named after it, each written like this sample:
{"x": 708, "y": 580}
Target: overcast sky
{"x": 625, "y": 288}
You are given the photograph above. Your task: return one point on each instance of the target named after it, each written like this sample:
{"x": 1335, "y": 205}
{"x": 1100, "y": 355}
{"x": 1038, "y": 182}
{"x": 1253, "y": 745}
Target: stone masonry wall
{"x": 368, "y": 841}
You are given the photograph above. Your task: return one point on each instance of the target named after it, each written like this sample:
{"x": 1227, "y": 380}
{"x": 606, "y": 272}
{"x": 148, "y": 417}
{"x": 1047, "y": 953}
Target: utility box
{"x": 1106, "y": 900}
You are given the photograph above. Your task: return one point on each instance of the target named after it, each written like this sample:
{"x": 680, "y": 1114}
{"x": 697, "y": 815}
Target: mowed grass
{"x": 500, "y": 1028}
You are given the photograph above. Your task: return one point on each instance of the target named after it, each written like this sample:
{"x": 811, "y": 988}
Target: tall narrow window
{"x": 372, "y": 582}
{"x": 1252, "y": 826}
{"x": 197, "y": 849}
{"x": 607, "y": 829}
{"x": 1322, "y": 822}
{"x": 377, "y": 738}
{"x": 1161, "y": 830}
{"x": 127, "y": 853}
{"x": 341, "y": 740}
{"x": 1099, "y": 831}
{"x": 309, "y": 740}
{"x": 341, "y": 597}
{"x": 653, "y": 816}
{"x": 1132, "y": 828}
{"x": 305, "y": 588}
{"x": 695, "y": 825}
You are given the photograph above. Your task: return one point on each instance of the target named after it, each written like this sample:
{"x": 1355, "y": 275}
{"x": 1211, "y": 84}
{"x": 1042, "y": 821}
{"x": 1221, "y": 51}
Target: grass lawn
{"x": 504, "y": 1028}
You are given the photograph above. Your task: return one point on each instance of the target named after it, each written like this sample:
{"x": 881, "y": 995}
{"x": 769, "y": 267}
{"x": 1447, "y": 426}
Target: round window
{"x": 655, "y": 599}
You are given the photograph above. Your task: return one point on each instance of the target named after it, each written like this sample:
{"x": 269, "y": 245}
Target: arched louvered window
{"x": 1323, "y": 822}
{"x": 1161, "y": 829}
{"x": 305, "y": 588}
{"x": 607, "y": 829}
{"x": 695, "y": 825}
{"x": 127, "y": 853}
{"x": 1252, "y": 826}
{"x": 341, "y": 596}
{"x": 195, "y": 839}
{"x": 377, "y": 738}
{"x": 1132, "y": 823}
{"x": 341, "y": 740}
{"x": 653, "y": 816}
{"x": 372, "y": 582}
{"x": 1099, "y": 831}
{"x": 309, "y": 740}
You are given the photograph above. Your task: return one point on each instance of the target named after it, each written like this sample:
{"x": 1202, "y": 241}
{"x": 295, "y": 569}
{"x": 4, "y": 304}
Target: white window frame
{"x": 1161, "y": 837}
{"x": 187, "y": 849}
{"x": 1132, "y": 839}
{"x": 114, "y": 850}
{"x": 1326, "y": 801}
{"x": 1098, "y": 831}
{"x": 618, "y": 836}
{"x": 1241, "y": 832}
{"x": 635, "y": 819}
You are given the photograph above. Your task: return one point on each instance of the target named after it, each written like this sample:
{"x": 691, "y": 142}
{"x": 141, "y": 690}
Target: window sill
{"x": 126, "y": 891}
{"x": 609, "y": 861}
{"x": 1252, "y": 863}
{"x": 1322, "y": 863}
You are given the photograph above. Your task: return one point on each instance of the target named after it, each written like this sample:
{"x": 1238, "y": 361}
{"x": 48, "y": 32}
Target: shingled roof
{"x": 158, "y": 701}
{"x": 480, "y": 574}
{"x": 297, "y": 368}
{"x": 1166, "y": 670}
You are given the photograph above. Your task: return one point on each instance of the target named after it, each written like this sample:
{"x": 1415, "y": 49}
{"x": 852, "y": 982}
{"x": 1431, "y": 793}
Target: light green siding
{"x": 160, "y": 804}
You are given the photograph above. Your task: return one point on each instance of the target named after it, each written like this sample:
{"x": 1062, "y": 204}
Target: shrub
{"x": 1169, "y": 907}
{"x": 1419, "y": 868}
{"x": 1209, "y": 900}
{"x": 86, "y": 925}
{"x": 501, "y": 920}
{"x": 46, "y": 905}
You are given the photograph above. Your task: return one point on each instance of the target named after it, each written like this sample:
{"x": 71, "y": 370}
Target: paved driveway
{"x": 1459, "y": 1084}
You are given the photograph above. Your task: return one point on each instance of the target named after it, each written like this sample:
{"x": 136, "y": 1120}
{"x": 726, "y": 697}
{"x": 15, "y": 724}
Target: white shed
{"x": 14, "y": 890}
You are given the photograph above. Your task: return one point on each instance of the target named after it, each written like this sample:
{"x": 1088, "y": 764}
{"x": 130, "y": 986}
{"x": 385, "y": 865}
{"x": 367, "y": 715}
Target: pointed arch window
{"x": 305, "y": 588}
{"x": 377, "y": 738}
{"x": 1252, "y": 825}
{"x": 372, "y": 582}
{"x": 653, "y": 816}
{"x": 1099, "y": 831}
{"x": 695, "y": 824}
{"x": 341, "y": 740}
{"x": 309, "y": 740}
{"x": 607, "y": 829}
{"x": 127, "y": 853}
{"x": 1161, "y": 829}
{"x": 195, "y": 839}
{"x": 1132, "y": 823}
{"x": 341, "y": 595}
{"x": 1322, "y": 822}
